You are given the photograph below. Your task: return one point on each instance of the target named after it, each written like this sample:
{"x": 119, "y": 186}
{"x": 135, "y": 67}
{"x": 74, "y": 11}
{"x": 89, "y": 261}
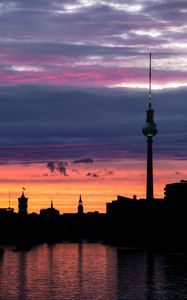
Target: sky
{"x": 73, "y": 96}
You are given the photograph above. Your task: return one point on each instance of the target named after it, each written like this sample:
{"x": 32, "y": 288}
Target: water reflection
{"x": 21, "y": 275}
{"x": 92, "y": 271}
{"x": 151, "y": 276}
{"x": 131, "y": 273}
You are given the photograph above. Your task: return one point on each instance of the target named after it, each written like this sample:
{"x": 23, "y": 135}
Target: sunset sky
{"x": 73, "y": 96}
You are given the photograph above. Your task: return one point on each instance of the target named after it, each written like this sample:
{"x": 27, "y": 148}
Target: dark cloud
{"x": 31, "y": 49}
{"x": 61, "y": 167}
{"x": 48, "y": 124}
{"x": 58, "y": 166}
{"x": 83, "y": 161}
{"x": 92, "y": 174}
{"x": 52, "y": 115}
{"x": 51, "y": 166}
{"x": 100, "y": 173}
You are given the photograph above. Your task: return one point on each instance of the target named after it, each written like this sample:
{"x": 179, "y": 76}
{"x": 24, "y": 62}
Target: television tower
{"x": 149, "y": 130}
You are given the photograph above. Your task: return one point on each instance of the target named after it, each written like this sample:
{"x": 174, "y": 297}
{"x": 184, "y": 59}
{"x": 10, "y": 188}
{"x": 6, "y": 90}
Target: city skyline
{"x": 73, "y": 94}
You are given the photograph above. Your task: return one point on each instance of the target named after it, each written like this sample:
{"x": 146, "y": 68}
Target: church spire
{"x": 80, "y": 209}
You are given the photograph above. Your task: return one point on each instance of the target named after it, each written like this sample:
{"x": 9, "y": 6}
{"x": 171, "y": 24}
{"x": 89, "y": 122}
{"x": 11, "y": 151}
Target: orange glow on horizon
{"x": 127, "y": 177}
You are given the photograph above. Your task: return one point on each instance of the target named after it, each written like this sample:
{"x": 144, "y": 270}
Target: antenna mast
{"x": 9, "y": 198}
{"x": 150, "y": 95}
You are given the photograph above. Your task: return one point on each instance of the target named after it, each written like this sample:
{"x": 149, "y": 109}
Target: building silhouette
{"x": 22, "y": 204}
{"x": 50, "y": 211}
{"x": 149, "y": 129}
{"x": 80, "y": 208}
{"x": 176, "y": 193}
{"x": 6, "y": 211}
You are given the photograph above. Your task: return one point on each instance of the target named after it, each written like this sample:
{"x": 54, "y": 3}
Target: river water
{"x": 92, "y": 271}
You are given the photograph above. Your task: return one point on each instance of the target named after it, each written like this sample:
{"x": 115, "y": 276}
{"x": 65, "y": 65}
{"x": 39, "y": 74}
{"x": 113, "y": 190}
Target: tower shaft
{"x": 149, "y": 186}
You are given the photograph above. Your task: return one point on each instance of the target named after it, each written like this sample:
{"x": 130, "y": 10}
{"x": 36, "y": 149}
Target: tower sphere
{"x": 149, "y": 129}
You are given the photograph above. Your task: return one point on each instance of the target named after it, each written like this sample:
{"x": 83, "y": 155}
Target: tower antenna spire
{"x": 150, "y": 95}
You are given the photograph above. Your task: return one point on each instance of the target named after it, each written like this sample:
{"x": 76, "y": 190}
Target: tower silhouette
{"x": 149, "y": 129}
{"x": 80, "y": 206}
{"x": 22, "y": 204}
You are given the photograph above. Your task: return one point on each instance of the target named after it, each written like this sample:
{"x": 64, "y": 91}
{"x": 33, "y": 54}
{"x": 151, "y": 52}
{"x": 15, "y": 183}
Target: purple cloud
{"x": 57, "y": 42}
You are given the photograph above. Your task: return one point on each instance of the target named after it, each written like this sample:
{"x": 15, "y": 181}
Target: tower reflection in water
{"x": 150, "y": 276}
